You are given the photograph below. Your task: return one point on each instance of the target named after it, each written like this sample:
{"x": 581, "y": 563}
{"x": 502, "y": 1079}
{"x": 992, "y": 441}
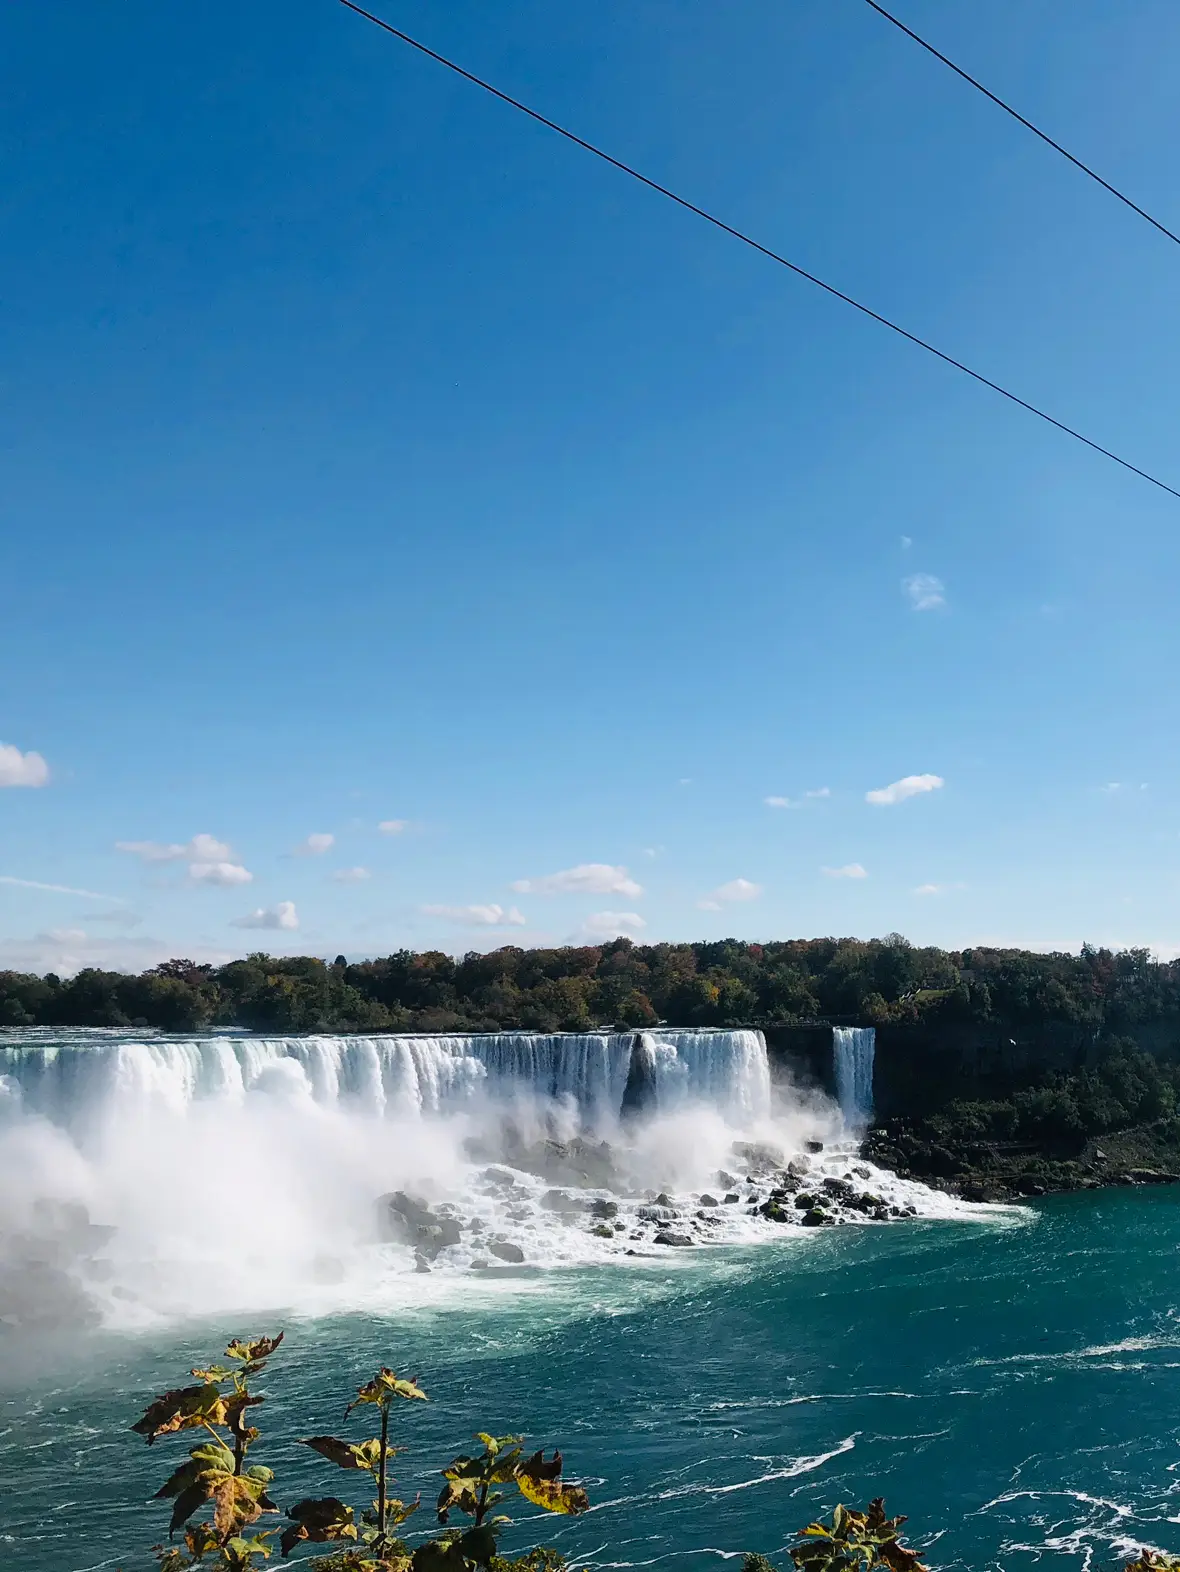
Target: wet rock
{"x": 600, "y": 1208}
{"x": 710, "y": 1218}
{"x": 603, "y": 1231}
{"x": 839, "y": 1188}
{"x": 480, "y": 1265}
{"x": 656, "y": 1214}
{"x": 756, "y": 1157}
{"x": 863, "y": 1173}
{"x": 813, "y": 1146}
{"x": 805, "y": 1201}
{"x": 674, "y": 1239}
{"x": 708, "y": 1200}
{"x": 732, "y": 1197}
{"x": 816, "y": 1218}
{"x": 663, "y": 1199}
{"x": 403, "y": 1220}
{"x": 1152, "y": 1176}
{"x": 639, "y": 1094}
{"x": 799, "y": 1166}
{"x": 774, "y": 1212}
{"x": 499, "y": 1176}
{"x": 504, "y": 1251}
{"x": 559, "y": 1201}
{"x": 421, "y": 1264}
{"x": 726, "y": 1180}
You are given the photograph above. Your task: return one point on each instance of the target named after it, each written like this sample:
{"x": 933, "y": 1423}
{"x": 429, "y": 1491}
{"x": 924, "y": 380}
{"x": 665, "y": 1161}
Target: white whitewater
{"x": 238, "y": 1173}
{"x": 854, "y": 1049}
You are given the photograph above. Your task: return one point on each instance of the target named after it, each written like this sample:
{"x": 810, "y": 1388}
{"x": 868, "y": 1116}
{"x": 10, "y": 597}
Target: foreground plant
{"x": 216, "y": 1475}
{"x": 216, "y": 1471}
{"x": 855, "y": 1541}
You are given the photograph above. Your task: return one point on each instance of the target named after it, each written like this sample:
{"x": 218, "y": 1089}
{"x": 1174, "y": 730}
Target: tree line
{"x": 726, "y": 983}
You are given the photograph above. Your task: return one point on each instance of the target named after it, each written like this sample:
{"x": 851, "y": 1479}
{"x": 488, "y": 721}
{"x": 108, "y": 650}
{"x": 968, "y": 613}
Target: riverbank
{"x": 975, "y": 1170}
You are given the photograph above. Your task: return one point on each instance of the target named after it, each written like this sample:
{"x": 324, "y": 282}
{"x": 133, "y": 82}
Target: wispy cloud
{"x": 54, "y": 889}
{"x": 937, "y": 889}
{"x": 351, "y": 875}
{"x": 588, "y": 878}
{"x": 727, "y": 894}
{"x": 202, "y": 848}
{"x": 393, "y": 826}
{"x": 283, "y": 916}
{"x": 490, "y": 916}
{"x": 820, "y": 791}
{"x": 778, "y": 802}
{"x": 21, "y": 769}
{"x": 850, "y": 870}
{"x": 906, "y": 542}
{"x": 924, "y": 592}
{"x": 315, "y": 845}
{"x": 612, "y": 925}
{"x": 908, "y": 786}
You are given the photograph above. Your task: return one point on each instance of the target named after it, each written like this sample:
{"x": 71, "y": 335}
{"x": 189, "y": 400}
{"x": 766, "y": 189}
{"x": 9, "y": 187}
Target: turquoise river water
{"x": 1013, "y": 1383}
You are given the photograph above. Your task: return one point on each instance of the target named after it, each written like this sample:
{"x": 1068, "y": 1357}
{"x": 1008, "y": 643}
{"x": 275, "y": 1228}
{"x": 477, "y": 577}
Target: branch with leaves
{"x": 216, "y": 1475}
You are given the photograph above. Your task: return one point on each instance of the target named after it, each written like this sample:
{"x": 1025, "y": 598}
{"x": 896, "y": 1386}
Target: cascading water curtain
{"x": 853, "y": 1049}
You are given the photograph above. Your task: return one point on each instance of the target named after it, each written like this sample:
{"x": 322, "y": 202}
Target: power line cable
{"x": 1016, "y": 115}
{"x": 755, "y": 245}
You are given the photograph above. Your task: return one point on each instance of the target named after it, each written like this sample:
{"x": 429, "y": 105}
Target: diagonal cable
{"x": 1016, "y": 115}
{"x": 755, "y": 245}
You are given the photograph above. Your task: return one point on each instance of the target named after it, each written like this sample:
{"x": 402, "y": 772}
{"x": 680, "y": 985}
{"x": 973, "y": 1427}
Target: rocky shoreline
{"x": 1012, "y": 1172}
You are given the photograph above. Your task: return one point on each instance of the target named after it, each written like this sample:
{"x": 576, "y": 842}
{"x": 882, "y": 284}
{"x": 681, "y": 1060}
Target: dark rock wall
{"x": 918, "y": 1068}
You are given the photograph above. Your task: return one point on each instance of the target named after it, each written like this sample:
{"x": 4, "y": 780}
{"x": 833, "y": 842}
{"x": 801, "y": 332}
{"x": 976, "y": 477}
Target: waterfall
{"x": 853, "y": 1048}
{"x": 75, "y": 1077}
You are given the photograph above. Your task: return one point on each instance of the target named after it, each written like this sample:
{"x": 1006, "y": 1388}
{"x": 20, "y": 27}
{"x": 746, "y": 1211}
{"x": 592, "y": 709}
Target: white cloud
{"x": 54, "y": 889}
{"x": 850, "y": 870}
{"x": 351, "y": 875}
{"x": 726, "y": 894}
{"x": 210, "y": 861}
{"x": 489, "y": 916}
{"x": 588, "y": 878}
{"x": 21, "y": 769}
{"x": 937, "y": 889}
{"x": 908, "y": 786}
{"x": 202, "y": 848}
{"x": 315, "y": 845}
{"x": 393, "y": 826}
{"x": 612, "y": 925}
{"x": 225, "y": 873}
{"x": 820, "y": 791}
{"x": 1111, "y": 787}
{"x": 282, "y": 916}
{"x": 777, "y": 802}
{"x": 906, "y": 542}
{"x": 924, "y": 591}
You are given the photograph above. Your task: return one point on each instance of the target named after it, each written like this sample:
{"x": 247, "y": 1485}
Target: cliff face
{"x": 920, "y": 1068}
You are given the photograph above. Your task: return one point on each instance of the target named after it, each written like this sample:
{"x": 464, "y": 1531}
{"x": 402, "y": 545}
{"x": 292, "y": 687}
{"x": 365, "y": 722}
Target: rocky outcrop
{"x": 403, "y": 1220}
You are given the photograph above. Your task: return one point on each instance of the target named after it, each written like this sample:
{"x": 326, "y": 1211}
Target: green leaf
{"x": 552, "y": 1495}
{"x": 252, "y": 1352}
{"x": 383, "y": 1388}
{"x": 317, "y": 1520}
{"x": 187, "y": 1502}
{"x": 438, "y": 1555}
{"x": 540, "y": 1483}
{"x": 343, "y": 1453}
{"x": 182, "y": 1409}
{"x": 479, "y": 1544}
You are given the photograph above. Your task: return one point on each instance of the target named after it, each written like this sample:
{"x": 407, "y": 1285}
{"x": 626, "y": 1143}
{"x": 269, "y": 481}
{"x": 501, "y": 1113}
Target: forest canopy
{"x": 727, "y": 983}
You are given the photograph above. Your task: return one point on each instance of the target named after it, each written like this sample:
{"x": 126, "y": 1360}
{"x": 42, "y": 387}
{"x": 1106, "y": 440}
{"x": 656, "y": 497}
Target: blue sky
{"x": 371, "y": 456}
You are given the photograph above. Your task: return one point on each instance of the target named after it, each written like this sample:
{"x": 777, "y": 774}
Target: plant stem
{"x": 381, "y": 1504}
